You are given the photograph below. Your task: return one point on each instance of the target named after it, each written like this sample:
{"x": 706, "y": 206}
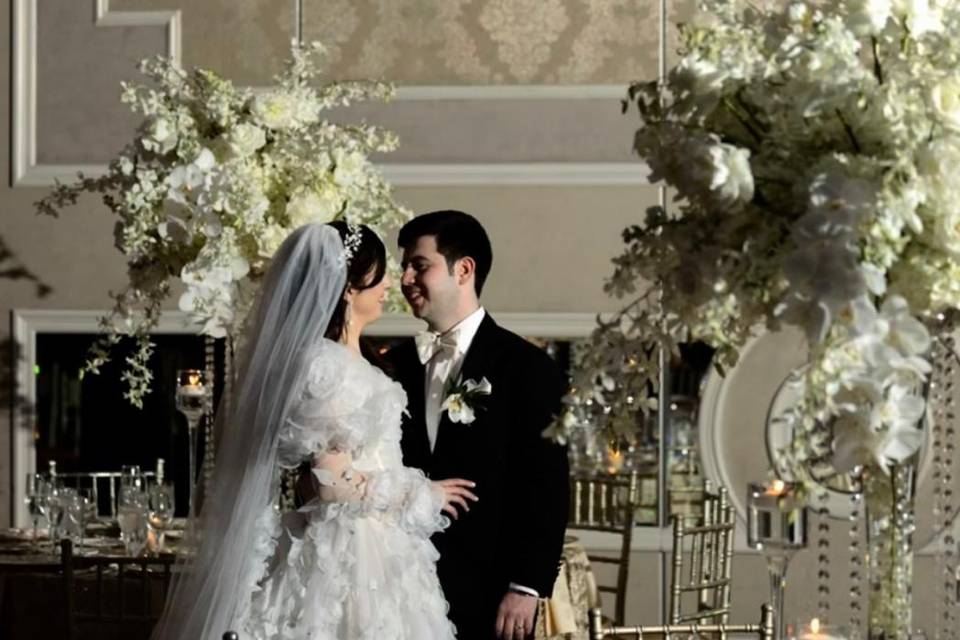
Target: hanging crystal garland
{"x": 942, "y": 434}
{"x": 823, "y": 557}
{"x": 209, "y": 447}
{"x": 856, "y": 566}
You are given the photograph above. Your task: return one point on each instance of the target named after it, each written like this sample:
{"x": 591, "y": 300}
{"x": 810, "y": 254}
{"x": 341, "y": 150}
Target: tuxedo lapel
{"x": 415, "y": 443}
{"x": 482, "y": 352}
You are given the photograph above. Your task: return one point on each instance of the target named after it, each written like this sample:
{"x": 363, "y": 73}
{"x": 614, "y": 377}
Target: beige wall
{"x": 552, "y": 243}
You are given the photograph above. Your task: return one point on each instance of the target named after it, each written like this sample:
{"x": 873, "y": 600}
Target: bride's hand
{"x": 456, "y": 491}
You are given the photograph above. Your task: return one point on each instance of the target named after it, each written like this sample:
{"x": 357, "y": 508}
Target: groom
{"x": 497, "y": 557}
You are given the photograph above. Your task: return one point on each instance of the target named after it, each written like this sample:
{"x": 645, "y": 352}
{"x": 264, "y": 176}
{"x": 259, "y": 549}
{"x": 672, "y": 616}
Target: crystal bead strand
{"x": 942, "y": 435}
{"x": 209, "y": 449}
{"x": 946, "y": 484}
{"x": 856, "y": 566}
{"x": 823, "y": 557}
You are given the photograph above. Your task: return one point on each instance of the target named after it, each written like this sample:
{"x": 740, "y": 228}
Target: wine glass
{"x": 78, "y": 505}
{"x": 36, "y": 488}
{"x": 54, "y": 508}
{"x": 132, "y": 518}
{"x": 160, "y": 515}
{"x": 73, "y": 516}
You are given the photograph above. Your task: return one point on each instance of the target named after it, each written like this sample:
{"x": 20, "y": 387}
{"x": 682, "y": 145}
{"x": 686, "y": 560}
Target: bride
{"x": 356, "y": 562}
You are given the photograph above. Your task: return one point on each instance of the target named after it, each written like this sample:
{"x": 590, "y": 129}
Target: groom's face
{"x": 427, "y": 283}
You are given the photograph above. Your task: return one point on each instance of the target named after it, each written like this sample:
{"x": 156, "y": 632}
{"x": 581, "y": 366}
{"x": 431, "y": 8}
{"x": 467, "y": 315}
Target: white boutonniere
{"x": 462, "y": 398}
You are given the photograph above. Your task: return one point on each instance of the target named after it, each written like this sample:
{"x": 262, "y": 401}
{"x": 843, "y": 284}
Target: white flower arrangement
{"x": 461, "y": 401}
{"x": 215, "y": 180}
{"x": 814, "y": 151}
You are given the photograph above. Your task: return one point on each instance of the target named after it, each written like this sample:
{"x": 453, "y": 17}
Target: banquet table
{"x": 564, "y": 615}
{"x": 32, "y": 602}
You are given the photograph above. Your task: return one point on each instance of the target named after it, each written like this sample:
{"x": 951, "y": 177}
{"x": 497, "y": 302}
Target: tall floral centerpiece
{"x": 812, "y": 152}
{"x": 215, "y": 180}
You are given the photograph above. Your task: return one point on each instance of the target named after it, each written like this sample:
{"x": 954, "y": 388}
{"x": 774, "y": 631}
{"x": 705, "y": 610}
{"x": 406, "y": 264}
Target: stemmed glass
{"x": 53, "y": 501}
{"x": 160, "y": 515}
{"x": 35, "y": 497}
{"x": 77, "y": 504}
{"x": 132, "y": 518}
{"x": 193, "y": 392}
{"x": 776, "y": 525}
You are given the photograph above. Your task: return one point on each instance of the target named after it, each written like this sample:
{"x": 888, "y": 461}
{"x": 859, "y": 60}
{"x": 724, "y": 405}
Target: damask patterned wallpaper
{"x": 501, "y": 42}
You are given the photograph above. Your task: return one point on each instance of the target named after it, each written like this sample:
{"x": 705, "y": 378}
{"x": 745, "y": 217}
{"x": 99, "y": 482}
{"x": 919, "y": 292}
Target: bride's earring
{"x": 349, "y": 313}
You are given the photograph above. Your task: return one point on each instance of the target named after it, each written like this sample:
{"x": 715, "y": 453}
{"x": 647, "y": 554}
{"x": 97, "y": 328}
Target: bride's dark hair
{"x": 369, "y": 257}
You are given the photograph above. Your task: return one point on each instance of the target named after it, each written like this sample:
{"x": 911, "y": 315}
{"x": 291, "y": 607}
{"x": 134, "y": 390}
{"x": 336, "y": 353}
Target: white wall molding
{"x": 424, "y": 175}
{"x": 25, "y": 170}
{"x": 519, "y": 174}
{"x": 513, "y": 92}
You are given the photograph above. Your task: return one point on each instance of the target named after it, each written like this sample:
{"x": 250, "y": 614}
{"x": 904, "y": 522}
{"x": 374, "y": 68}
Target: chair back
{"x": 706, "y": 574}
{"x": 118, "y": 593}
{"x": 104, "y": 488}
{"x": 764, "y": 630}
{"x": 607, "y": 503}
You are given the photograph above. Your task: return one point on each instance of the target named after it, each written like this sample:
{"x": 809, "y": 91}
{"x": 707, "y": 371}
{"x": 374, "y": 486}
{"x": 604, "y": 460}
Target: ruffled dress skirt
{"x": 339, "y": 572}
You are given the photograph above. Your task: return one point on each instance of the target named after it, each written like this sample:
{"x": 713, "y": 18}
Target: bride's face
{"x": 367, "y": 304}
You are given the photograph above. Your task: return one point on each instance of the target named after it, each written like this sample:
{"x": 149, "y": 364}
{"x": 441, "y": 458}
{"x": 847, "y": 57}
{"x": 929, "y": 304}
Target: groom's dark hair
{"x": 458, "y": 235}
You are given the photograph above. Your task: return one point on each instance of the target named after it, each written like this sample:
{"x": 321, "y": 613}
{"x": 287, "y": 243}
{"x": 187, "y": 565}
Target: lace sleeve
{"x": 332, "y": 412}
{"x": 401, "y": 493}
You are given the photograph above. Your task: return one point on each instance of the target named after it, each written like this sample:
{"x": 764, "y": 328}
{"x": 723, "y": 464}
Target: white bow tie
{"x": 429, "y": 343}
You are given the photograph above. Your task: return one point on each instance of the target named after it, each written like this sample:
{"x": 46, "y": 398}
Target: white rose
{"x": 798, "y": 13}
{"x": 275, "y": 110}
{"x": 939, "y": 161}
{"x": 245, "y": 139}
{"x": 348, "y": 167}
{"x": 726, "y": 170}
{"x": 945, "y": 101}
{"x": 308, "y": 206}
{"x": 306, "y": 110}
{"x": 868, "y": 17}
{"x": 921, "y": 17}
{"x": 159, "y": 135}
{"x": 270, "y": 240}
{"x": 946, "y": 231}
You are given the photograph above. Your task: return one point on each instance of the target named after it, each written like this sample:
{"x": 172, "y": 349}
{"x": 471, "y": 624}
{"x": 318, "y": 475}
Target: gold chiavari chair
{"x": 121, "y": 596}
{"x": 764, "y": 630}
{"x": 607, "y": 503}
{"x": 707, "y": 573}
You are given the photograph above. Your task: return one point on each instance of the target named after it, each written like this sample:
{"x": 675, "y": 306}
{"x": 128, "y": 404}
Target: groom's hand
{"x": 516, "y": 616}
{"x": 456, "y": 492}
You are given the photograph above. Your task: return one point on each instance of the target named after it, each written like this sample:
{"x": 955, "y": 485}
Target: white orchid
{"x": 462, "y": 399}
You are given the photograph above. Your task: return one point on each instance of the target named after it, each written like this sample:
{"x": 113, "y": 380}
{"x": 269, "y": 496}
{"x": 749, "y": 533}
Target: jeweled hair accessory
{"x": 352, "y": 242}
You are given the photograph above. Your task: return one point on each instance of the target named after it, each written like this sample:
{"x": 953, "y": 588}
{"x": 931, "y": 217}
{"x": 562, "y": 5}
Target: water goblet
{"x": 132, "y": 518}
{"x": 54, "y": 509}
{"x": 34, "y": 498}
{"x": 160, "y": 515}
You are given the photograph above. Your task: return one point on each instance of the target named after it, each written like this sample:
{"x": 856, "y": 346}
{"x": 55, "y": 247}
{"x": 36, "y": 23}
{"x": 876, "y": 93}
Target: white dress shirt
{"x": 445, "y": 366}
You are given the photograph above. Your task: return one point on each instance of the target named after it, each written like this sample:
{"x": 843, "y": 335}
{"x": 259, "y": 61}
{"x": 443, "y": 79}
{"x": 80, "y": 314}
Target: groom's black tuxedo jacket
{"x": 514, "y": 533}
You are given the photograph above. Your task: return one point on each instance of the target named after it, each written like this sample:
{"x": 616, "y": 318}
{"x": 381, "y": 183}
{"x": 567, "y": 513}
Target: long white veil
{"x": 299, "y": 294}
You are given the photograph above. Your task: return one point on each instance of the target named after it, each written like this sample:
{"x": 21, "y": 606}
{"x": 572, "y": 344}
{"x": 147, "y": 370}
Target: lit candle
{"x": 819, "y": 631}
{"x": 614, "y": 460}
{"x": 776, "y": 518}
{"x": 777, "y": 488}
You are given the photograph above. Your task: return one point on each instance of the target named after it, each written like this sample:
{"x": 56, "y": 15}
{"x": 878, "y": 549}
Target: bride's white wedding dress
{"x": 355, "y": 570}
